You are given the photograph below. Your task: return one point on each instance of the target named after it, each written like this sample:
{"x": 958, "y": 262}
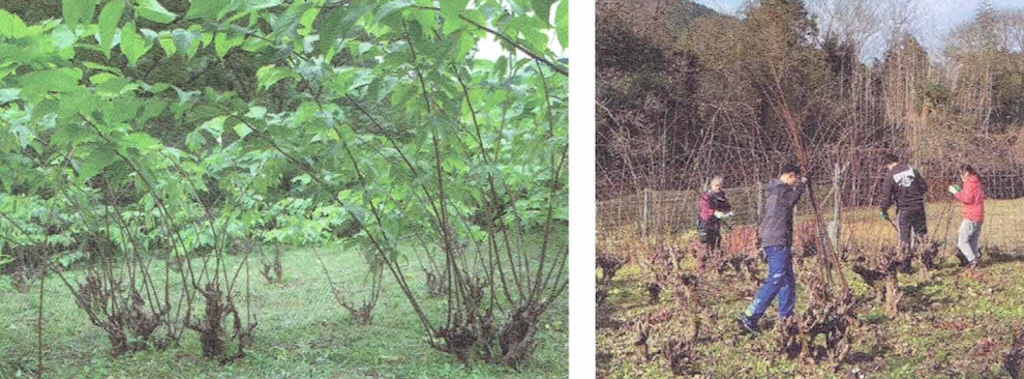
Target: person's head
{"x": 789, "y": 173}
{"x": 966, "y": 170}
{"x": 716, "y": 183}
{"x": 890, "y": 160}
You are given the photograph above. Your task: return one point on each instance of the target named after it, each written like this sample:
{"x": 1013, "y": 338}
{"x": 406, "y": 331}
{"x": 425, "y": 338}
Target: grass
{"x": 302, "y": 333}
{"x": 958, "y": 324}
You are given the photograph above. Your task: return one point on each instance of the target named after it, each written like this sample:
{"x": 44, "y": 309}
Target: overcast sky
{"x": 938, "y": 17}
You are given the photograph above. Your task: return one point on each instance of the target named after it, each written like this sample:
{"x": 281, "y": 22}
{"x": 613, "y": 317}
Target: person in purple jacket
{"x": 714, "y": 207}
{"x": 782, "y": 195}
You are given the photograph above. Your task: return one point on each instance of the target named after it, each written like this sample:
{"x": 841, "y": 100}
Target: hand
{"x": 719, "y": 215}
{"x": 730, "y": 214}
{"x": 803, "y": 179}
{"x": 953, "y": 189}
{"x": 885, "y": 215}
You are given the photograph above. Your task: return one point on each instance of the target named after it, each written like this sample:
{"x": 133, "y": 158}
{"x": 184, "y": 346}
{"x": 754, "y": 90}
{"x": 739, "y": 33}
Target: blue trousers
{"x": 781, "y": 281}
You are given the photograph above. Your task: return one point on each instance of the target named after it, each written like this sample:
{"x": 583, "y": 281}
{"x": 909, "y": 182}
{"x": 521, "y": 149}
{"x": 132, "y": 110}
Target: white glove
{"x": 953, "y": 189}
{"x": 803, "y": 179}
{"x": 719, "y": 215}
{"x": 730, "y": 214}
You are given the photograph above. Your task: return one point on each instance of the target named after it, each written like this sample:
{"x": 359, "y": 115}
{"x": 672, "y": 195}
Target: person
{"x": 714, "y": 207}
{"x": 906, "y": 187}
{"x": 782, "y": 195}
{"x": 973, "y": 210}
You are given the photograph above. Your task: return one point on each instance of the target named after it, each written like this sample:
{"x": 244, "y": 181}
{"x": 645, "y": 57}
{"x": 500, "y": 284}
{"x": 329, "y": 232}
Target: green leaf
{"x": 306, "y": 21}
{"x": 338, "y": 22}
{"x": 8, "y": 94}
{"x": 109, "y": 17}
{"x": 225, "y": 41}
{"x": 542, "y": 8}
{"x": 208, "y": 9}
{"x": 167, "y": 43}
{"x": 242, "y": 130}
{"x": 95, "y": 162}
{"x": 132, "y": 44}
{"x": 261, "y": 4}
{"x": 74, "y": 11}
{"x": 450, "y": 9}
{"x": 63, "y": 38}
{"x": 267, "y": 75}
{"x": 38, "y": 83}
{"x": 389, "y": 7}
{"x": 140, "y": 141}
{"x": 562, "y": 23}
{"x": 194, "y": 141}
{"x": 12, "y": 26}
{"x": 214, "y": 126}
{"x": 153, "y": 11}
{"x": 305, "y": 112}
{"x": 186, "y": 41}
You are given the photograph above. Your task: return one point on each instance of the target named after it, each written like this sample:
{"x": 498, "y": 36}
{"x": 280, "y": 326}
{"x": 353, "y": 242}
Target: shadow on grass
{"x": 994, "y": 255}
{"x": 918, "y": 298}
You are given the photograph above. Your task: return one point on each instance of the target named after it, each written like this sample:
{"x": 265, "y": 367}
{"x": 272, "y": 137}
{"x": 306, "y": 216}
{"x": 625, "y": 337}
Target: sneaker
{"x": 747, "y": 326}
{"x": 972, "y": 264}
{"x": 962, "y": 258}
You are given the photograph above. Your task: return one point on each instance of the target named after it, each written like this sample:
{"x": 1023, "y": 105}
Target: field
{"x": 956, "y": 324}
{"x": 302, "y": 333}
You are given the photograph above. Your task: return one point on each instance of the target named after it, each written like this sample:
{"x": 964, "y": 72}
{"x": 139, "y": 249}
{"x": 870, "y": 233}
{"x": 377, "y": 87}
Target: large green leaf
{"x": 166, "y": 41}
{"x": 224, "y": 41}
{"x": 338, "y": 22}
{"x": 542, "y": 8}
{"x": 186, "y": 41}
{"x": 110, "y": 16}
{"x": 12, "y": 26}
{"x": 153, "y": 11}
{"x": 266, "y": 76}
{"x": 132, "y": 44}
{"x": 97, "y": 159}
{"x": 206, "y": 9}
{"x": 75, "y": 11}
{"x": 562, "y": 23}
{"x": 450, "y": 9}
{"x": 36, "y": 84}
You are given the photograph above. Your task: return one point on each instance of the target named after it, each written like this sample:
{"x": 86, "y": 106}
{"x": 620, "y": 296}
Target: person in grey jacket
{"x": 776, "y": 240}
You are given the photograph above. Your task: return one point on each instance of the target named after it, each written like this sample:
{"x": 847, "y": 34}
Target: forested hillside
{"x": 726, "y": 95}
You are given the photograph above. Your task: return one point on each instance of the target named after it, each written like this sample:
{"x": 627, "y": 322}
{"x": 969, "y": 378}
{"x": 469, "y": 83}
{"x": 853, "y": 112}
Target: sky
{"x": 490, "y": 49}
{"x": 937, "y": 19}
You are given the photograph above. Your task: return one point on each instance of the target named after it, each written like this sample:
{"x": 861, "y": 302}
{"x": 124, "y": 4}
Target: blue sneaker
{"x": 747, "y": 326}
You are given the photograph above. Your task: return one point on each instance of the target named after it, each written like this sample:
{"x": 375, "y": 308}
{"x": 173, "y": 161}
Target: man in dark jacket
{"x": 777, "y": 239}
{"x": 905, "y": 186}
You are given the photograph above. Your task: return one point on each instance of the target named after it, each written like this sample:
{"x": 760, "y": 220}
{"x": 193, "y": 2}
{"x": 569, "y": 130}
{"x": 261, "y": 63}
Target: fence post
{"x": 836, "y": 208}
{"x": 643, "y": 224}
{"x": 760, "y": 199}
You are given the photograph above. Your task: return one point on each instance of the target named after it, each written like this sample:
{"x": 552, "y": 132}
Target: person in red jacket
{"x": 973, "y": 199}
{"x": 714, "y": 207}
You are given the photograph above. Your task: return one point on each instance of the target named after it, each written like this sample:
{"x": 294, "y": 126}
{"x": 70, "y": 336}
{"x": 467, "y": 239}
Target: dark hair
{"x": 888, "y": 158}
{"x": 790, "y": 167}
{"x": 968, "y": 169}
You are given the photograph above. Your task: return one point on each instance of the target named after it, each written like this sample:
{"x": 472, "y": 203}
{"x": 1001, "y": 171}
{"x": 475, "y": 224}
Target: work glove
{"x": 730, "y": 214}
{"x": 803, "y": 179}
{"x": 954, "y": 189}
{"x": 884, "y": 214}
{"x": 719, "y": 215}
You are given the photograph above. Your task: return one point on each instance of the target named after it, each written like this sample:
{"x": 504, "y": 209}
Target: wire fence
{"x": 675, "y": 210}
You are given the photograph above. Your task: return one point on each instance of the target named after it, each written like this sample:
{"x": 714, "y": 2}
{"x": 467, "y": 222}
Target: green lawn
{"x": 955, "y": 325}
{"x": 302, "y": 333}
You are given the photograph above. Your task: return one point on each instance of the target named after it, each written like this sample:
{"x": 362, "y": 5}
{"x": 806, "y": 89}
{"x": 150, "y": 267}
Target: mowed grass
{"x": 957, "y": 324}
{"x": 302, "y": 332}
